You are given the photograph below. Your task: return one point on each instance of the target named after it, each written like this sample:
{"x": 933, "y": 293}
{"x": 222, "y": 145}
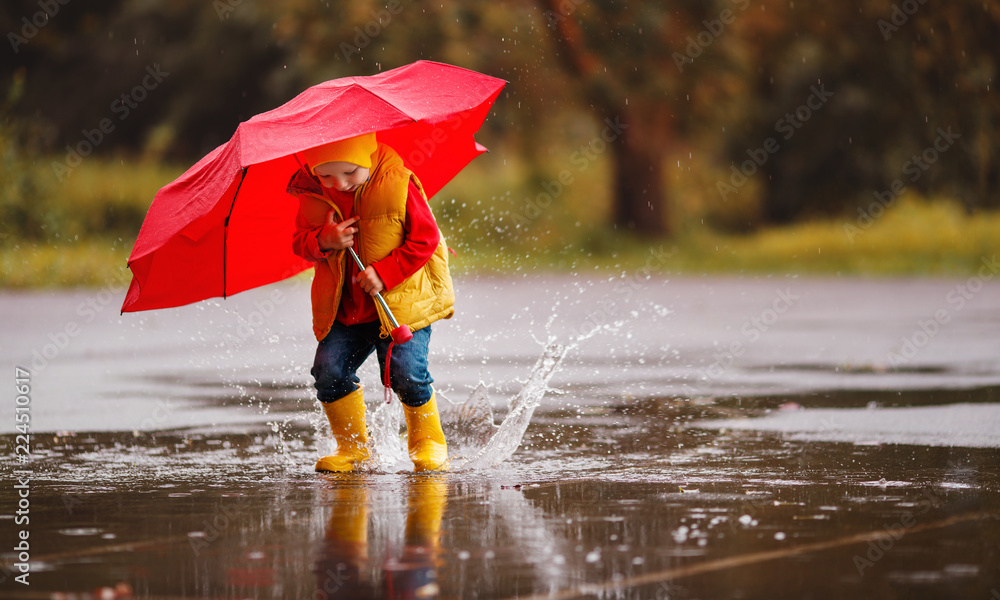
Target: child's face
{"x": 342, "y": 176}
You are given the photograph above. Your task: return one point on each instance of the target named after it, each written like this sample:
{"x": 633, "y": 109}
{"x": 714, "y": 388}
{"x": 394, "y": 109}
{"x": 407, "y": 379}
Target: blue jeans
{"x": 346, "y": 347}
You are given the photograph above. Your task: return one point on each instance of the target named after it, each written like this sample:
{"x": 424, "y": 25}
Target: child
{"x": 357, "y": 193}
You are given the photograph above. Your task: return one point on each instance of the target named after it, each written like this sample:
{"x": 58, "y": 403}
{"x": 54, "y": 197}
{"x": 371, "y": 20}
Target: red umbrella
{"x": 226, "y": 224}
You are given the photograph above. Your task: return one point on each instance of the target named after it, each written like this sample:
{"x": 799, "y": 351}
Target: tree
{"x": 908, "y": 77}
{"x": 215, "y": 66}
{"x": 633, "y": 64}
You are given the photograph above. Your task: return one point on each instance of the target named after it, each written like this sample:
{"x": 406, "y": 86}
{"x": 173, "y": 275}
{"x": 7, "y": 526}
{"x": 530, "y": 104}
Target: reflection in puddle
{"x": 614, "y": 501}
{"x": 348, "y": 566}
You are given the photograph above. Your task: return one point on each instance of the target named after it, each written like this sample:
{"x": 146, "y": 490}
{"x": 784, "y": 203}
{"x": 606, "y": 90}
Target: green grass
{"x": 915, "y": 238}
{"x": 79, "y": 232}
{"x": 90, "y": 263}
{"x": 74, "y": 232}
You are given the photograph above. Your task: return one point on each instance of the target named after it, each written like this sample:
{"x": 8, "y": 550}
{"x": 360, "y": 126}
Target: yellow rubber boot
{"x": 428, "y": 449}
{"x": 347, "y": 421}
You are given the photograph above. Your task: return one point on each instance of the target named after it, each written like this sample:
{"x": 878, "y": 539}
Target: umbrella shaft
{"x": 378, "y": 296}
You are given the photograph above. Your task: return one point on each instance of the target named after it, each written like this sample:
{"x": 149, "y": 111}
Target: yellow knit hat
{"x": 356, "y": 150}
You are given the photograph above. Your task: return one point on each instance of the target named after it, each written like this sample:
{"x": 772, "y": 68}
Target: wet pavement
{"x": 704, "y": 438}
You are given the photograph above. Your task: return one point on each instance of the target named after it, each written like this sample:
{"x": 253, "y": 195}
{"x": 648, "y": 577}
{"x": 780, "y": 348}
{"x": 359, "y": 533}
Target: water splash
{"x": 475, "y": 418}
{"x": 474, "y": 439}
{"x": 470, "y": 426}
{"x": 388, "y": 447}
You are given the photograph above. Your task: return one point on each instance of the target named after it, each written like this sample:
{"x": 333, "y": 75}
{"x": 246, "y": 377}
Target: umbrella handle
{"x": 400, "y": 333}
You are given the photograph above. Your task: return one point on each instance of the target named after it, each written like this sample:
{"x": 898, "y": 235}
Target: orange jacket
{"x": 422, "y": 298}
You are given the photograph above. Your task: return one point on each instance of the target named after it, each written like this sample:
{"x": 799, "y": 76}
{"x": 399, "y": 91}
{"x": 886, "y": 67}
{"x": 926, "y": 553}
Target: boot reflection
{"x": 345, "y": 570}
{"x": 344, "y": 553}
{"x": 414, "y": 575}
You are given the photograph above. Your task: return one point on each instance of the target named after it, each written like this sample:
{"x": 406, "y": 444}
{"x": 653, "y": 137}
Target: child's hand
{"x": 370, "y": 282}
{"x": 337, "y": 236}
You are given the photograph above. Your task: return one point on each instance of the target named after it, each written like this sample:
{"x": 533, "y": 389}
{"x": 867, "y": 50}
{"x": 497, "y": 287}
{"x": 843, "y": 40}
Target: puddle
{"x": 967, "y": 425}
{"x": 615, "y": 501}
{"x": 167, "y": 465}
{"x": 475, "y": 439}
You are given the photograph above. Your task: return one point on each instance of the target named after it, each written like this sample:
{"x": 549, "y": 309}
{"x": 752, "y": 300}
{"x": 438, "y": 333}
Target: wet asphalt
{"x": 704, "y": 438}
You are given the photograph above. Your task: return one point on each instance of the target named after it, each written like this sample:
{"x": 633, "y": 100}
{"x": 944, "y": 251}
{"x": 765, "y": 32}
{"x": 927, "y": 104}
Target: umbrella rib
{"x": 225, "y": 234}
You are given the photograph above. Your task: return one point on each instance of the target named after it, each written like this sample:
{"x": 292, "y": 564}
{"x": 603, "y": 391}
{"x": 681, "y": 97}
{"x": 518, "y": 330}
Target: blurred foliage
{"x": 106, "y": 197}
{"x": 849, "y": 93}
{"x": 897, "y": 73}
{"x": 915, "y": 236}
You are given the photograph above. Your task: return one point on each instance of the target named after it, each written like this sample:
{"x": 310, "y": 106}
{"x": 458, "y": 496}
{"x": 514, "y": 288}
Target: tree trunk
{"x": 636, "y": 134}
{"x": 638, "y": 186}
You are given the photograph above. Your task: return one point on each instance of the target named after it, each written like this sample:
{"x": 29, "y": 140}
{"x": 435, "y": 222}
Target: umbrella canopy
{"x": 226, "y": 224}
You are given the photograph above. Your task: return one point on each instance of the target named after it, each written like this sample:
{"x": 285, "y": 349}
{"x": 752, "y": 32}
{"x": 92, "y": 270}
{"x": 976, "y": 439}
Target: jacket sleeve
{"x": 305, "y": 242}
{"x": 421, "y": 239}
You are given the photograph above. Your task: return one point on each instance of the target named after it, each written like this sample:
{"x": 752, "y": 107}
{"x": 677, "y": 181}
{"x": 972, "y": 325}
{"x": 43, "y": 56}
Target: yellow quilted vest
{"x": 419, "y": 300}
